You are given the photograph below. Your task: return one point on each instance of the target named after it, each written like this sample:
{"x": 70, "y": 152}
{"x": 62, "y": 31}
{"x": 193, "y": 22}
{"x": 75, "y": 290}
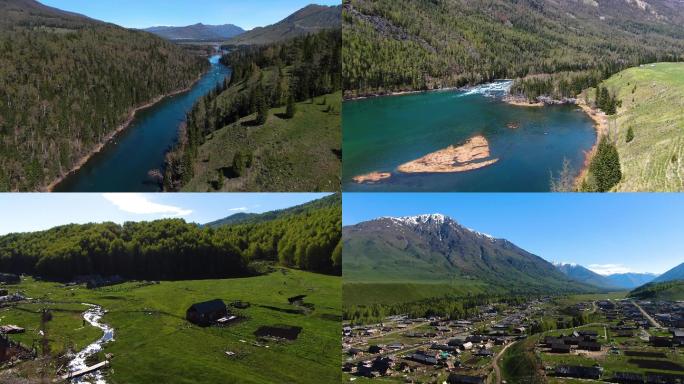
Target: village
{"x": 602, "y": 340}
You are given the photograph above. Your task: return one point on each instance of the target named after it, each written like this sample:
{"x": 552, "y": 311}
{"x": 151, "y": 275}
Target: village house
{"x": 628, "y": 378}
{"x": 660, "y": 341}
{"x": 206, "y": 313}
{"x": 579, "y": 372}
{"x": 678, "y": 336}
{"x": 589, "y": 346}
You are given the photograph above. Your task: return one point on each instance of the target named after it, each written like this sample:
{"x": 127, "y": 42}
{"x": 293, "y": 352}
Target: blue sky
{"x": 605, "y": 232}
{"x": 147, "y": 13}
{"x": 24, "y": 212}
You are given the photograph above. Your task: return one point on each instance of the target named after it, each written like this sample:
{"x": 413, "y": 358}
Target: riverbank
{"x": 601, "y": 125}
{"x": 119, "y": 129}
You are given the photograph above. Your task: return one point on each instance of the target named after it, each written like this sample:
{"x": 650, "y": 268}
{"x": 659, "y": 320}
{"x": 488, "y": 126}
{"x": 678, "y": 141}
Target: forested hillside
{"x": 173, "y": 249}
{"x": 260, "y": 149}
{"x": 67, "y": 82}
{"x": 562, "y": 46}
{"x": 313, "y": 18}
{"x": 670, "y": 290}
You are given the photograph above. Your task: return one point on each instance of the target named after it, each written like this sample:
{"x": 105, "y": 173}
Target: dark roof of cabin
{"x": 209, "y": 306}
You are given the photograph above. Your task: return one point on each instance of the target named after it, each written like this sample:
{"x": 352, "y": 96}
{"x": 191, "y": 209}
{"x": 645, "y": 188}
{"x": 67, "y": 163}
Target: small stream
{"x": 93, "y": 317}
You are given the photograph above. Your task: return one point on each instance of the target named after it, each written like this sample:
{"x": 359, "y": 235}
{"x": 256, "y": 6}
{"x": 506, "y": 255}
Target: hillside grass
{"x": 298, "y": 154}
{"x": 154, "y": 342}
{"x": 653, "y": 106}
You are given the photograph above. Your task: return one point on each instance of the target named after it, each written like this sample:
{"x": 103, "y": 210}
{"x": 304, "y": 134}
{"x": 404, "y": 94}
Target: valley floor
{"x": 153, "y": 342}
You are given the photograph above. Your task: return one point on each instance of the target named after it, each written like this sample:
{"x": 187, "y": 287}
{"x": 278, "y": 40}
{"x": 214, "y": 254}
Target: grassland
{"x": 653, "y": 107}
{"x": 155, "y": 344}
{"x": 298, "y": 154}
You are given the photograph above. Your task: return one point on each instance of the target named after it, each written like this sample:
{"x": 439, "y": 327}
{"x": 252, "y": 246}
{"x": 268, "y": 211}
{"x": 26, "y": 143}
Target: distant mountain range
{"x": 197, "y": 32}
{"x": 613, "y": 281}
{"x": 436, "y": 249}
{"x": 310, "y": 19}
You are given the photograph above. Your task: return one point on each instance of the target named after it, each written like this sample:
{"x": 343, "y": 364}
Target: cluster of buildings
{"x": 577, "y": 340}
{"x": 442, "y": 345}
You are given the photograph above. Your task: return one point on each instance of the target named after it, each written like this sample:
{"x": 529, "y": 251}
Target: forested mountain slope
{"x": 676, "y": 273}
{"x": 670, "y": 290}
{"x": 252, "y": 218}
{"x": 275, "y": 126}
{"x": 393, "y": 45}
{"x": 173, "y": 249}
{"x": 310, "y": 19}
{"x": 67, "y": 82}
{"x": 436, "y": 249}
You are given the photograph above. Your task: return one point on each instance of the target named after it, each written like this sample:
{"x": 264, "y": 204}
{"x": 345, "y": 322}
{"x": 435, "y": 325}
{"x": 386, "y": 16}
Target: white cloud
{"x": 140, "y": 204}
{"x": 608, "y": 269}
{"x": 240, "y": 209}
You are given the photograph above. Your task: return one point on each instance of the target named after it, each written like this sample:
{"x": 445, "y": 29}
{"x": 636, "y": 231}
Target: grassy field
{"x": 298, "y": 154}
{"x": 653, "y": 106}
{"x": 154, "y": 342}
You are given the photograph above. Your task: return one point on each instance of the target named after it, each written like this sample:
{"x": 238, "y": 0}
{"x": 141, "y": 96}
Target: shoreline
{"x": 601, "y": 126}
{"x": 413, "y": 92}
{"x": 119, "y": 129}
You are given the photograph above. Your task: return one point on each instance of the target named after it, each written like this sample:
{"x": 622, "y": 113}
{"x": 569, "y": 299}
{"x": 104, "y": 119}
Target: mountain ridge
{"x": 676, "y": 273}
{"x": 198, "y": 31}
{"x": 253, "y": 218}
{"x": 436, "y": 249}
{"x": 310, "y": 19}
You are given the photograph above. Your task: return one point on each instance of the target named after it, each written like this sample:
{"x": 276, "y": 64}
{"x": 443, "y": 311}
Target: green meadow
{"x": 153, "y": 343}
{"x": 653, "y": 108}
{"x": 297, "y": 154}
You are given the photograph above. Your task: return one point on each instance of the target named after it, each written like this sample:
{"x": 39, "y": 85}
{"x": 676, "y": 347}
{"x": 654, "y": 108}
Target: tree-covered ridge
{"x": 394, "y": 45}
{"x": 173, "y": 249}
{"x": 669, "y": 290}
{"x": 68, "y": 82}
{"x": 263, "y": 77}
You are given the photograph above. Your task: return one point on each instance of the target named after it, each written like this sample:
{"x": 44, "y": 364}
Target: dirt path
{"x": 495, "y": 363}
{"x": 647, "y": 316}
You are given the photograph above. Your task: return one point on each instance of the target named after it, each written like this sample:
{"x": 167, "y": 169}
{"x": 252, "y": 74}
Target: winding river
{"x": 124, "y": 164}
{"x": 93, "y": 316}
{"x": 529, "y": 143}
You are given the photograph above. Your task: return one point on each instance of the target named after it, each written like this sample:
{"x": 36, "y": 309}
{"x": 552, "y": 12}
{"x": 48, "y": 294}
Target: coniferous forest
{"x": 308, "y": 239}
{"x": 67, "y": 82}
{"x": 263, "y": 77}
{"x": 553, "y": 48}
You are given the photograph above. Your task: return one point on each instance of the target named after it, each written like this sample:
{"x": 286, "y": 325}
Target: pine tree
{"x": 605, "y": 166}
{"x": 630, "y": 135}
{"x": 261, "y": 106}
{"x": 291, "y": 108}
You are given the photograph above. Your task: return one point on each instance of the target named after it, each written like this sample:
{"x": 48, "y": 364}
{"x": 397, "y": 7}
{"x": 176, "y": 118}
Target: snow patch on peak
{"x": 420, "y": 219}
{"x": 482, "y": 234}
